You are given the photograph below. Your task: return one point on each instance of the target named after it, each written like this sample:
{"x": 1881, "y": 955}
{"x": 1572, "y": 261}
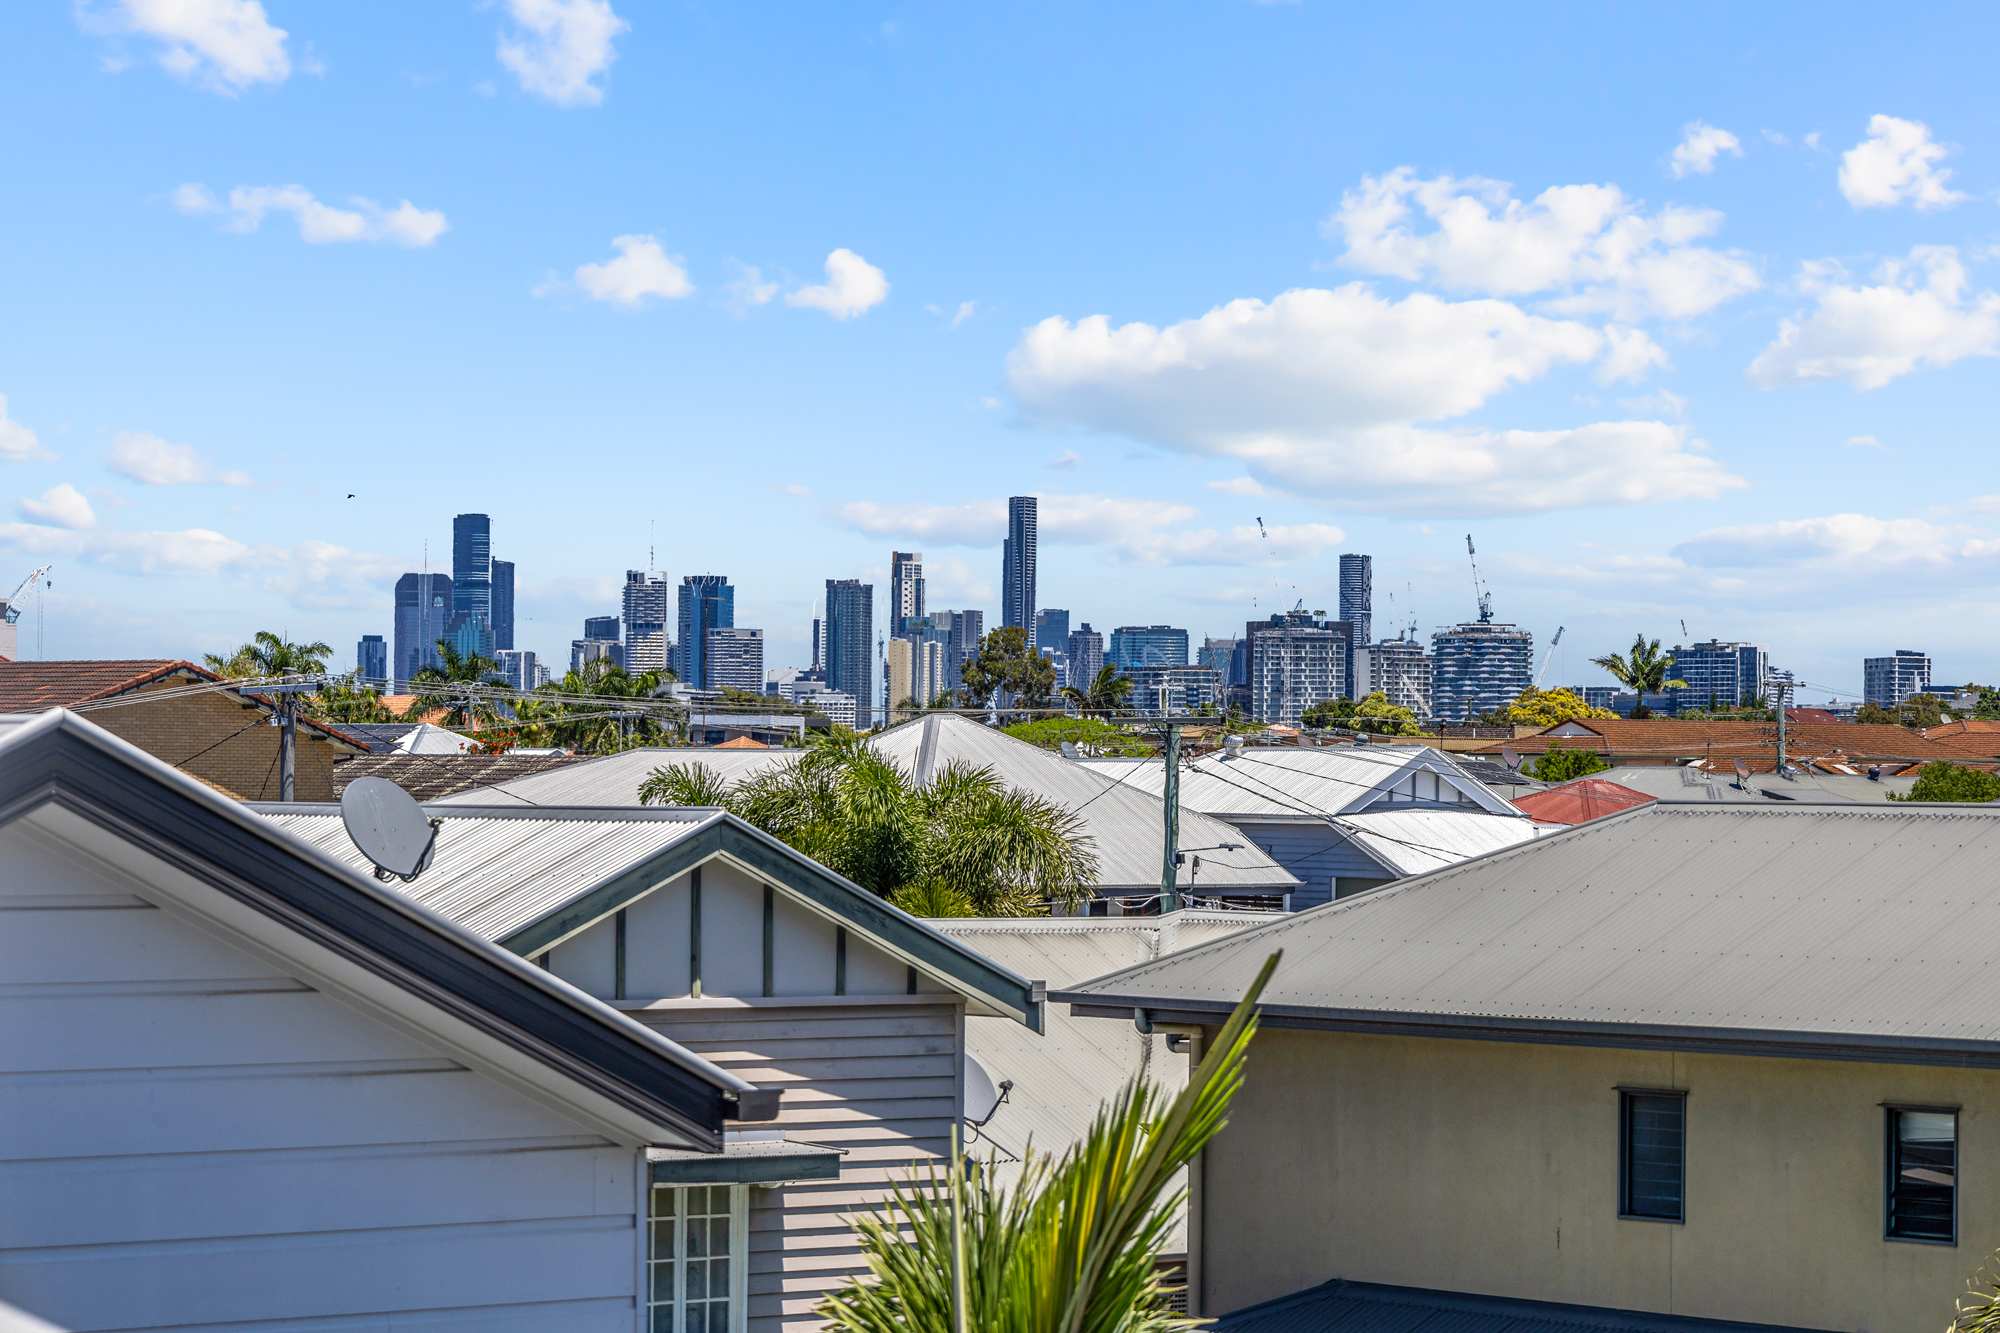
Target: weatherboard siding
{"x": 879, "y": 1077}
{"x": 190, "y": 1137}
{"x": 1316, "y": 853}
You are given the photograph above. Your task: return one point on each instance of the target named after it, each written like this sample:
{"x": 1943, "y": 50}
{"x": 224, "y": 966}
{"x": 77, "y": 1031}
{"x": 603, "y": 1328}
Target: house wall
{"x": 212, "y": 736}
{"x": 190, "y": 1137}
{"x": 1492, "y": 1167}
{"x": 1318, "y": 854}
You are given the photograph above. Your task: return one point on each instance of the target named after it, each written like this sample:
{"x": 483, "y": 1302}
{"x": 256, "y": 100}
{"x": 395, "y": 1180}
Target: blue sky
{"x": 1687, "y": 316}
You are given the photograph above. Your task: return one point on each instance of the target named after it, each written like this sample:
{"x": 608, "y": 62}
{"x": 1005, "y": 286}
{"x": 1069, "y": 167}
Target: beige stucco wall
{"x": 1491, "y": 1167}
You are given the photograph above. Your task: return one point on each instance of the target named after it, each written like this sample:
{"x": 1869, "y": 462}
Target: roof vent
{"x": 1232, "y": 747}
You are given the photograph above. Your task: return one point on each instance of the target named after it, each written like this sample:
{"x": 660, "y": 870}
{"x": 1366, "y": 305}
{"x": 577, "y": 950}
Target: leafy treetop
{"x": 1374, "y": 713}
{"x": 1007, "y": 663}
{"x": 1942, "y": 781}
{"x": 1545, "y": 708}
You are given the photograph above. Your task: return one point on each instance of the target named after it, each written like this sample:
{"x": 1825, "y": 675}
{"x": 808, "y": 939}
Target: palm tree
{"x": 1074, "y": 1245}
{"x": 594, "y": 728}
{"x": 1106, "y": 693}
{"x": 1643, "y": 671}
{"x": 345, "y": 700}
{"x": 442, "y": 686}
{"x": 964, "y": 844}
{"x": 271, "y": 654}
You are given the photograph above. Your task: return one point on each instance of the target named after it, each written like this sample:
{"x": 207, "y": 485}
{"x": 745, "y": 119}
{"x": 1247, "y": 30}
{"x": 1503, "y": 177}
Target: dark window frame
{"x": 1892, "y": 1112}
{"x": 1625, "y": 1096}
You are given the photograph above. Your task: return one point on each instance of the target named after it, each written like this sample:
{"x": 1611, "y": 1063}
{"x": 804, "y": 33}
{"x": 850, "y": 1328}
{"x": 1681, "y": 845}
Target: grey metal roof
{"x": 1415, "y": 841}
{"x": 613, "y": 779}
{"x": 1868, "y": 932}
{"x": 1677, "y": 782}
{"x": 1367, "y": 1307}
{"x": 1302, "y": 782}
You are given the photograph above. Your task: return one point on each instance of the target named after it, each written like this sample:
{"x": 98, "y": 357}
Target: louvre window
{"x": 695, "y": 1258}
{"x": 1652, "y": 1155}
{"x": 1923, "y": 1175}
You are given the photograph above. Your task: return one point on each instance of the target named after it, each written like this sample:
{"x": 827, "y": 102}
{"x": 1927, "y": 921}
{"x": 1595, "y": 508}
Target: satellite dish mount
{"x": 389, "y": 827}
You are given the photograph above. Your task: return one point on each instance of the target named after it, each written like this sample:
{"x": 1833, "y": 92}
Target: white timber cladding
{"x": 195, "y": 1135}
{"x": 875, "y": 1070}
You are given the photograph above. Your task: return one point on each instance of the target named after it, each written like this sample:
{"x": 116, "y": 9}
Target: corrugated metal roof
{"x": 1805, "y": 925}
{"x": 1292, "y": 782}
{"x": 1366, "y": 1307}
{"x": 495, "y": 874}
{"x": 613, "y": 779}
{"x": 1414, "y": 842}
{"x": 1678, "y": 782}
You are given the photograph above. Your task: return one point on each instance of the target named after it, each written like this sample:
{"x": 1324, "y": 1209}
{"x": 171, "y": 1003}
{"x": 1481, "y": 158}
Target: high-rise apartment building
{"x": 1890, "y": 680}
{"x": 1478, "y": 667}
{"x": 1086, "y": 656}
{"x": 423, "y": 609}
{"x": 734, "y": 660}
{"x": 520, "y": 668}
{"x": 371, "y": 659}
{"x": 906, "y": 588}
{"x": 1051, "y": 631}
{"x": 1357, "y": 607}
{"x": 472, "y": 582}
{"x": 646, "y": 646}
{"x": 601, "y": 629}
{"x": 1401, "y": 669}
{"x": 1161, "y": 691}
{"x": 503, "y": 605}
{"x": 1720, "y": 675}
{"x": 649, "y": 598}
{"x": 1293, "y": 667}
{"x": 1217, "y": 653}
{"x": 1017, "y": 564}
{"x": 850, "y": 639}
{"x": 1147, "y": 645}
{"x": 962, "y": 631}
{"x": 582, "y": 652}
{"x": 706, "y": 602}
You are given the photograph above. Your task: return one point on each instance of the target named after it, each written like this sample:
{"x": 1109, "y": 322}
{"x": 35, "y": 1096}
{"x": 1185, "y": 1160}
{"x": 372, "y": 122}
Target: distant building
{"x": 423, "y": 608}
{"x": 523, "y": 672}
{"x": 503, "y": 604}
{"x": 1293, "y": 667}
{"x": 1596, "y": 696}
{"x": 1174, "y": 689}
{"x": 645, "y": 645}
{"x": 1888, "y": 681}
{"x": 834, "y": 705}
{"x": 735, "y": 660}
{"x": 1357, "y": 603}
{"x": 1217, "y": 653}
{"x": 801, "y": 686}
{"x": 1147, "y": 645}
{"x": 906, "y": 588}
{"x": 648, "y": 601}
{"x": 963, "y": 631}
{"x": 1478, "y": 667}
{"x": 706, "y": 602}
{"x": 1051, "y": 631}
{"x": 582, "y": 652}
{"x": 914, "y": 671}
{"x": 850, "y": 638}
{"x": 1086, "y": 656}
{"x": 471, "y": 624}
{"x": 1722, "y": 675}
{"x": 1017, "y": 564}
{"x": 1401, "y": 669}
{"x": 371, "y": 659}
{"x": 601, "y": 627}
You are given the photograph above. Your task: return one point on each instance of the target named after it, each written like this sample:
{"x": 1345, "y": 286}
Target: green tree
{"x": 443, "y": 686}
{"x": 1560, "y": 763}
{"x": 1073, "y": 1246}
{"x": 1007, "y": 664}
{"x": 1643, "y": 671}
{"x": 596, "y": 723}
{"x": 1105, "y": 695}
{"x": 271, "y": 654}
{"x": 1942, "y": 781}
{"x": 1546, "y": 708}
{"x": 1873, "y": 712}
{"x": 1092, "y": 735}
{"x": 1374, "y": 713}
{"x": 1002, "y": 851}
{"x": 343, "y": 700}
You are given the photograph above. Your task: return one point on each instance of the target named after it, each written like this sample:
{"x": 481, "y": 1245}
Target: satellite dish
{"x": 1069, "y": 750}
{"x": 389, "y": 827}
{"x": 1513, "y": 759}
{"x": 982, "y": 1098}
{"x": 1742, "y": 769}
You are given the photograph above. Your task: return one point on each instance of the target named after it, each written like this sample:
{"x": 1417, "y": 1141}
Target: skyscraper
{"x": 1478, "y": 667}
{"x": 1402, "y": 670}
{"x": 1086, "y": 656}
{"x": 734, "y": 659}
{"x": 423, "y": 607}
{"x": 648, "y": 609}
{"x": 706, "y": 602}
{"x": 371, "y": 659}
{"x": 472, "y": 579}
{"x": 1017, "y": 565}
{"x": 1051, "y": 631}
{"x": 520, "y": 667}
{"x": 906, "y": 588}
{"x": 1147, "y": 645}
{"x": 1294, "y": 665}
{"x": 850, "y": 640}
{"x": 962, "y": 631}
{"x": 1357, "y": 600}
{"x": 503, "y": 606}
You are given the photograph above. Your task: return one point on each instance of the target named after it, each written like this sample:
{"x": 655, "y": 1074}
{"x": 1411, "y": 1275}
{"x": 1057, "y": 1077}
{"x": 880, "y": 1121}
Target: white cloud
{"x": 1917, "y": 314}
{"x": 226, "y": 45}
{"x": 62, "y": 506}
{"x": 749, "y": 287}
{"x": 1587, "y": 246}
{"x": 1066, "y": 461}
{"x": 310, "y": 574}
{"x": 561, "y": 47}
{"x": 319, "y": 224}
{"x": 852, "y": 286}
{"x": 1700, "y": 145}
{"x": 1322, "y": 392}
{"x": 795, "y": 489}
{"x": 1896, "y": 163}
{"x": 1238, "y": 486}
{"x": 1630, "y": 356}
{"x": 641, "y": 270}
{"x": 18, "y": 444}
{"x": 152, "y": 461}
{"x": 966, "y": 310}
{"x": 1660, "y": 403}
{"x": 1853, "y": 542}
{"x": 1864, "y": 442}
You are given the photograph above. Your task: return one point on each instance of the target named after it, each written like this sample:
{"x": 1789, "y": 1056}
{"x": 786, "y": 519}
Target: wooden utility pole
{"x": 1170, "y": 900}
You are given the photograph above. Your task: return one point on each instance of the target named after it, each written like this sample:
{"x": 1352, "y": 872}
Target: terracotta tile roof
{"x": 1671, "y": 738}
{"x": 431, "y": 776}
{"x": 36, "y": 687}
{"x": 1579, "y": 801}
{"x": 743, "y": 743}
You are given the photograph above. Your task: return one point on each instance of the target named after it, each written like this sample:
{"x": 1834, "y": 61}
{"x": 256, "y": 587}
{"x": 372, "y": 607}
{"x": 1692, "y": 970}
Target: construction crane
{"x": 11, "y": 607}
{"x": 1548, "y": 656}
{"x": 1478, "y": 588}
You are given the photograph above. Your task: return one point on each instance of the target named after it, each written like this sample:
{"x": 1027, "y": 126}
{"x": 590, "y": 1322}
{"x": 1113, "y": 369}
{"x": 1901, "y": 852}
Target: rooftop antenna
{"x": 389, "y": 827}
{"x": 1478, "y": 588}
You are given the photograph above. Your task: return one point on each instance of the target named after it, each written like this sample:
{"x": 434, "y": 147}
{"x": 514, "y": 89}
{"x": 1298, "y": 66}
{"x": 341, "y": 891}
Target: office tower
{"x": 649, "y": 603}
{"x": 645, "y": 646}
{"x": 706, "y": 602}
{"x": 1173, "y": 690}
{"x": 962, "y": 632}
{"x": 1402, "y": 671}
{"x": 371, "y": 659}
{"x": 1051, "y": 631}
{"x": 906, "y": 588}
{"x": 817, "y": 663}
{"x": 520, "y": 668}
{"x": 601, "y": 628}
{"x": 1086, "y": 656}
{"x": 1730, "y": 674}
{"x": 582, "y": 652}
{"x": 1017, "y": 564}
{"x": 1890, "y": 680}
{"x": 850, "y": 639}
{"x": 1357, "y": 596}
{"x": 1478, "y": 667}
{"x": 1293, "y": 667}
{"x": 423, "y": 607}
{"x": 1147, "y": 645}
{"x": 503, "y": 604}
{"x": 471, "y": 620}
{"x": 734, "y": 659}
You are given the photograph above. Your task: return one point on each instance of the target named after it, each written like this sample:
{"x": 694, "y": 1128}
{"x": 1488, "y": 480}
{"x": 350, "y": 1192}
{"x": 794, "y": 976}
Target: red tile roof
{"x": 36, "y": 687}
{"x": 1669, "y": 738}
{"x": 1579, "y": 801}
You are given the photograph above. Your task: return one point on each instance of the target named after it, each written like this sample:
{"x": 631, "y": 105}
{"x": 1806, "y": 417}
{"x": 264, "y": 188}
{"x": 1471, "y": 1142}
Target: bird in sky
{"x": 350, "y": 495}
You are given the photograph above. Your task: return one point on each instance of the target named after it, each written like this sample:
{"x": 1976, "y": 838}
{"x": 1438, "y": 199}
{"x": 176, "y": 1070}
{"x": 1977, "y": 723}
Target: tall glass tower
{"x": 707, "y": 602}
{"x": 1017, "y": 565}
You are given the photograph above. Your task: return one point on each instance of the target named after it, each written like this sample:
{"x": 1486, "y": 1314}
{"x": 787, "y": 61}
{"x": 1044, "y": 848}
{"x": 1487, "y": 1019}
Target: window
{"x": 1923, "y": 1175}
{"x": 1652, "y": 1155}
{"x": 694, "y": 1262}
